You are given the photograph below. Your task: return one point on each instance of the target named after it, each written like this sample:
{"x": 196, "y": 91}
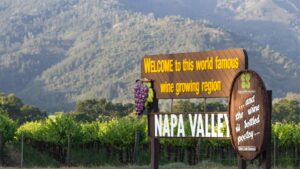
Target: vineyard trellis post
{"x": 68, "y": 150}
{"x": 274, "y": 151}
{"x": 1, "y": 149}
{"x": 136, "y": 145}
{"x": 22, "y": 150}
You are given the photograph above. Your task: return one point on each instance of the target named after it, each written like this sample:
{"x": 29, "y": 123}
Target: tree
{"x": 286, "y": 110}
{"x": 88, "y": 107}
{"x": 216, "y": 107}
{"x": 89, "y": 110}
{"x": 7, "y": 130}
{"x": 30, "y": 113}
{"x": 16, "y": 110}
{"x": 11, "y": 104}
{"x": 63, "y": 130}
{"x": 185, "y": 106}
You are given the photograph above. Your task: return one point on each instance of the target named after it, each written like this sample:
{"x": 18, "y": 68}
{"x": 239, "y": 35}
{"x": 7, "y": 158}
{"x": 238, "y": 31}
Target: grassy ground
{"x": 86, "y": 159}
{"x": 33, "y": 158}
{"x": 205, "y": 165}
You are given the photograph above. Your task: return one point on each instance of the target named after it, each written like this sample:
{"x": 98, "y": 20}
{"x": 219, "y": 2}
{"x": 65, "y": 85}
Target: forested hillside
{"x": 56, "y": 52}
{"x": 267, "y": 22}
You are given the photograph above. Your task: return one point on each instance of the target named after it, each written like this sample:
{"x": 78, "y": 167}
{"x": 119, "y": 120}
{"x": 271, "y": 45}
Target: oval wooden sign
{"x": 248, "y": 114}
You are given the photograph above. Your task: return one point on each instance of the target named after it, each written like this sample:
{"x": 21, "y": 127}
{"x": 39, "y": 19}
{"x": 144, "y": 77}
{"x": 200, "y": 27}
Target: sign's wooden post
{"x": 266, "y": 156}
{"x": 154, "y": 152}
{"x": 241, "y": 163}
{"x": 151, "y": 132}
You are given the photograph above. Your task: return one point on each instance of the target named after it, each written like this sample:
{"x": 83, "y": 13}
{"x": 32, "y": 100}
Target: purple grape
{"x": 140, "y": 96}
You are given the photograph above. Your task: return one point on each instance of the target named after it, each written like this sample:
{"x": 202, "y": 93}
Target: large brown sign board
{"x": 193, "y": 75}
{"x": 248, "y": 114}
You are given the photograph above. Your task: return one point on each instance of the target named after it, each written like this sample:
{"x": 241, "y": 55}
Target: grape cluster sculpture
{"x": 143, "y": 95}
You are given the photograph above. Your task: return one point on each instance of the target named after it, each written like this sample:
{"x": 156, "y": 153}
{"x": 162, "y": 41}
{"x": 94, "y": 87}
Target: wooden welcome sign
{"x": 248, "y": 114}
{"x": 209, "y": 74}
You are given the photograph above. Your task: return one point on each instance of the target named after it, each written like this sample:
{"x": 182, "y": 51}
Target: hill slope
{"x": 272, "y": 22}
{"x": 55, "y": 52}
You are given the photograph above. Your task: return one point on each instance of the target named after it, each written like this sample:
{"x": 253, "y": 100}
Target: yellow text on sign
{"x": 191, "y": 87}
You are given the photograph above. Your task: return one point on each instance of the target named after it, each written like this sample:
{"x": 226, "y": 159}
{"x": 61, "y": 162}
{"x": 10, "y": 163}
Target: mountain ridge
{"x": 74, "y": 50}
